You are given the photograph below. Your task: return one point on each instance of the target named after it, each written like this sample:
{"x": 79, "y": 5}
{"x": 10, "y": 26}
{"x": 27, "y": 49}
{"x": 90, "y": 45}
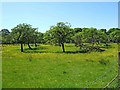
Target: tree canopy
{"x": 60, "y": 34}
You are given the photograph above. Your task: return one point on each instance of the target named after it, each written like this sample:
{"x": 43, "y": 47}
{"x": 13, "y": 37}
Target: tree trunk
{"x": 63, "y": 47}
{"x": 35, "y": 44}
{"x": 29, "y": 46}
{"x": 21, "y": 47}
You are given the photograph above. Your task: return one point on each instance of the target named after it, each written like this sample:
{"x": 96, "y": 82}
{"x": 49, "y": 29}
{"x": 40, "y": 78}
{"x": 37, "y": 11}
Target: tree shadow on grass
{"x": 82, "y": 51}
{"x": 46, "y": 50}
{"x": 67, "y": 52}
{"x": 37, "y": 48}
{"x": 35, "y": 51}
{"x": 73, "y": 52}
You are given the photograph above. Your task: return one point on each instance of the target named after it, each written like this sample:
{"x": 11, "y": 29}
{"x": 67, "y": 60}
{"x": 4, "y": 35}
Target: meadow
{"x": 47, "y": 67}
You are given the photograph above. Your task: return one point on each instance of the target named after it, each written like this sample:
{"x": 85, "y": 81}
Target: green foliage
{"x": 115, "y": 35}
{"x": 5, "y": 36}
{"x": 59, "y": 33}
{"x": 24, "y": 33}
{"x": 92, "y": 36}
{"x": 76, "y": 30}
{"x": 78, "y": 39}
{"x": 112, "y": 30}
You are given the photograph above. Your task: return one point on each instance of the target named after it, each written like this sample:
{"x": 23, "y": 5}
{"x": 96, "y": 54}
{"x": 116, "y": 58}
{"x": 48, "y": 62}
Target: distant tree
{"x": 78, "y": 39}
{"x": 5, "y": 31}
{"x": 59, "y": 32}
{"x": 112, "y": 30}
{"x": 76, "y": 30}
{"x": 90, "y": 35}
{"x": 115, "y": 36}
{"x": 5, "y": 36}
{"x": 102, "y": 37}
{"x": 69, "y": 37}
{"x": 85, "y": 36}
{"x": 48, "y": 38}
{"x": 103, "y": 30}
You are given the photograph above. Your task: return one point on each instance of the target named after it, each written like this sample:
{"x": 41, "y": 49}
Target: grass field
{"x": 48, "y": 67}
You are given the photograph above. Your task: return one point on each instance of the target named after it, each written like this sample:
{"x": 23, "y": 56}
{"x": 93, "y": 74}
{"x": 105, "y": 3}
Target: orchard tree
{"x": 111, "y": 30}
{"x": 90, "y": 35}
{"x": 115, "y": 36}
{"x": 48, "y": 37}
{"x": 22, "y": 34}
{"x": 19, "y": 33}
{"x": 30, "y": 35}
{"x": 78, "y": 39}
{"x": 59, "y": 33}
{"x": 102, "y": 37}
{"x": 76, "y": 30}
{"x": 37, "y": 38}
{"x": 103, "y": 30}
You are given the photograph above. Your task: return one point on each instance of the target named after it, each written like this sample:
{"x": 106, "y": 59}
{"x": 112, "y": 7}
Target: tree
{"x": 102, "y": 37}
{"x": 5, "y": 36}
{"x": 104, "y": 30}
{"x": 5, "y": 31}
{"x": 22, "y": 33}
{"x": 111, "y": 30}
{"x": 76, "y": 30}
{"x": 90, "y": 35}
{"x": 59, "y": 33}
{"x": 30, "y": 35}
{"x": 37, "y": 37}
{"x": 115, "y": 36}
{"x": 78, "y": 39}
{"x": 48, "y": 38}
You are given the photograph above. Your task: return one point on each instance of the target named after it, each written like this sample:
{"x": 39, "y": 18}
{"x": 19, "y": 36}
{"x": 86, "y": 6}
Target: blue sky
{"x": 45, "y": 14}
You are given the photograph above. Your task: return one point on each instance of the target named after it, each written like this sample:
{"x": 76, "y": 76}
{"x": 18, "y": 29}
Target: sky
{"x": 42, "y": 15}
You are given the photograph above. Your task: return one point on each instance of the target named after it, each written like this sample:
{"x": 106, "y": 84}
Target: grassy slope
{"x": 56, "y": 70}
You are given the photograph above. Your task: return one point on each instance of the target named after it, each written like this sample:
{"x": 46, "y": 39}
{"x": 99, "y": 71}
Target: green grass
{"x": 48, "y": 67}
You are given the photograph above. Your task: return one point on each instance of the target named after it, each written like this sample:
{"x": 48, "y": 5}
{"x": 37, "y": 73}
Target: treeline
{"x": 87, "y": 39}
